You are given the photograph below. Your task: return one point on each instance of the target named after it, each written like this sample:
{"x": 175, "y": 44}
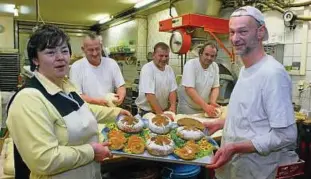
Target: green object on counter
{"x": 2, "y": 132}
{"x": 288, "y": 68}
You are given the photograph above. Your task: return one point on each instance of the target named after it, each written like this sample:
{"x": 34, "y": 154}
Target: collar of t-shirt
{"x": 255, "y": 67}
{"x": 52, "y": 88}
{"x": 155, "y": 67}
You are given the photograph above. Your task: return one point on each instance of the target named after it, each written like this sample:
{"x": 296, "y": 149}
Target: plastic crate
{"x": 292, "y": 170}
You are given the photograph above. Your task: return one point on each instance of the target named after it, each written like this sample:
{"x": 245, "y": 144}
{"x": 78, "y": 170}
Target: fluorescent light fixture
{"x": 24, "y": 10}
{"x": 105, "y": 19}
{"x": 15, "y": 11}
{"x": 143, "y": 3}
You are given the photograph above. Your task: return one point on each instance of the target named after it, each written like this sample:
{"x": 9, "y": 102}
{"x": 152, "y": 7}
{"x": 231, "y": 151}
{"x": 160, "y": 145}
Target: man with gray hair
{"x": 259, "y": 131}
{"x": 96, "y": 76}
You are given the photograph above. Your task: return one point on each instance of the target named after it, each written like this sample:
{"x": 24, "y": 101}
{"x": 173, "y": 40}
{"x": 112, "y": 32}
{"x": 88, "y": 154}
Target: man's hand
{"x": 210, "y": 110}
{"x": 214, "y": 125}
{"x": 173, "y": 109}
{"x": 101, "y": 151}
{"x": 215, "y": 105}
{"x": 222, "y": 156}
{"x": 119, "y": 100}
{"x": 125, "y": 112}
{"x": 169, "y": 116}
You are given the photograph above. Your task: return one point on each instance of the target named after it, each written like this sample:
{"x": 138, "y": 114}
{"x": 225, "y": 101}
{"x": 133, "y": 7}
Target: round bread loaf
{"x": 160, "y": 145}
{"x": 160, "y": 124}
{"x": 130, "y": 124}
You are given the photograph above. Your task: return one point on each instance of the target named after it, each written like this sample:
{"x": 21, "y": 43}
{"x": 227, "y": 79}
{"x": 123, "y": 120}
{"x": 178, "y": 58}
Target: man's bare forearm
{"x": 152, "y": 100}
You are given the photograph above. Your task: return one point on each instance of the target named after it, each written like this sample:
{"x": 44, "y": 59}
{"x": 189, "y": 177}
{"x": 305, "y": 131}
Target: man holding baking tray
{"x": 259, "y": 132}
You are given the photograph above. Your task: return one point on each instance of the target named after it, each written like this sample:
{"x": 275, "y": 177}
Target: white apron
{"x": 82, "y": 129}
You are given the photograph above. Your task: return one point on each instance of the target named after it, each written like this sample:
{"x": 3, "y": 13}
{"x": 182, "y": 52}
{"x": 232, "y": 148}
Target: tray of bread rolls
{"x": 158, "y": 138}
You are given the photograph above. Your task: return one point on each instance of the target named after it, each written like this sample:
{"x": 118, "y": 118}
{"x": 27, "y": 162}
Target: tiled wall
{"x": 154, "y": 36}
{"x": 292, "y": 40}
{"x": 134, "y": 31}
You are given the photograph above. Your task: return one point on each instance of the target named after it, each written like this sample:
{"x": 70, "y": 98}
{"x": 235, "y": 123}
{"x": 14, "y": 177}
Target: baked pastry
{"x": 148, "y": 116}
{"x": 135, "y": 145}
{"x": 217, "y": 115}
{"x": 160, "y": 145}
{"x": 160, "y": 124}
{"x": 191, "y": 122}
{"x": 130, "y": 124}
{"x": 188, "y": 151}
{"x": 116, "y": 139}
{"x": 190, "y": 129}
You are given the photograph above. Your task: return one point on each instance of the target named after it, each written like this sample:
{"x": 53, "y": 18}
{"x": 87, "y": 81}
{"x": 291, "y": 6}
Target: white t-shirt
{"x": 260, "y": 109}
{"x": 202, "y": 80}
{"x": 154, "y": 81}
{"x": 96, "y": 81}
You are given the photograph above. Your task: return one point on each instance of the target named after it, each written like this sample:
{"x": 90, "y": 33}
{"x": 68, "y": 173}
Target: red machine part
{"x": 185, "y": 44}
{"x": 210, "y": 24}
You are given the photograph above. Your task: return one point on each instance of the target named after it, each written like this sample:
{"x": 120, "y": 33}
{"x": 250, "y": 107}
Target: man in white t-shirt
{"x": 157, "y": 83}
{"x": 259, "y": 132}
{"x": 200, "y": 83}
{"x": 95, "y": 76}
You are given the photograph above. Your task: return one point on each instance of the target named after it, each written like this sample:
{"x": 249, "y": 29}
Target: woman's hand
{"x": 125, "y": 112}
{"x": 101, "y": 151}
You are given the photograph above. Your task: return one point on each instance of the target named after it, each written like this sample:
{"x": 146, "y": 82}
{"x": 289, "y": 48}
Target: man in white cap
{"x": 259, "y": 131}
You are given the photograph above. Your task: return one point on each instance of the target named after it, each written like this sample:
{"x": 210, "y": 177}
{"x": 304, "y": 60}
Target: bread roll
{"x": 110, "y": 98}
{"x": 218, "y": 114}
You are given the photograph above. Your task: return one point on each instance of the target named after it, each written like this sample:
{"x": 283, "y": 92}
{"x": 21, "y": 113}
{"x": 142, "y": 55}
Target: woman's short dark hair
{"x": 46, "y": 36}
{"x": 211, "y": 44}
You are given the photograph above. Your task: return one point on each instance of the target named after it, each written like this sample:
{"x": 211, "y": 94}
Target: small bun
{"x": 218, "y": 113}
{"x": 110, "y": 98}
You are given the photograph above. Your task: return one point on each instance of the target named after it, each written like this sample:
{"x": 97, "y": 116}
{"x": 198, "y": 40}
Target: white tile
{"x": 308, "y": 75}
{"x": 174, "y": 62}
{"x": 309, "y": 48}
{"x": 309, "y": 31}
{"x": 308, "y": 63}
{"x": 296, "y": 59}
{"x": 298, "y": 34}
{"x": 288, "y": 50}
{"x": 287, "y": 61}
{"x": 289, "y": 36}
{"x": 297, "y": 51}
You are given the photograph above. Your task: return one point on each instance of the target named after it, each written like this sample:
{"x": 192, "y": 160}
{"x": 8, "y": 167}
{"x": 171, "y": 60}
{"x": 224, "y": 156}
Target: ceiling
{"x": 80, "y": 12}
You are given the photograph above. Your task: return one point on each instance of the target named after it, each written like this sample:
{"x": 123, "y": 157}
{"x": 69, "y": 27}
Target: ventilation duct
{"x": 205, "y": 7}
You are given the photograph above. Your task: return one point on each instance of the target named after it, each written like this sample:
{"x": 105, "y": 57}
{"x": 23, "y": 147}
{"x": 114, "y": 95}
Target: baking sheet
{"x": 172, "y": 158}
